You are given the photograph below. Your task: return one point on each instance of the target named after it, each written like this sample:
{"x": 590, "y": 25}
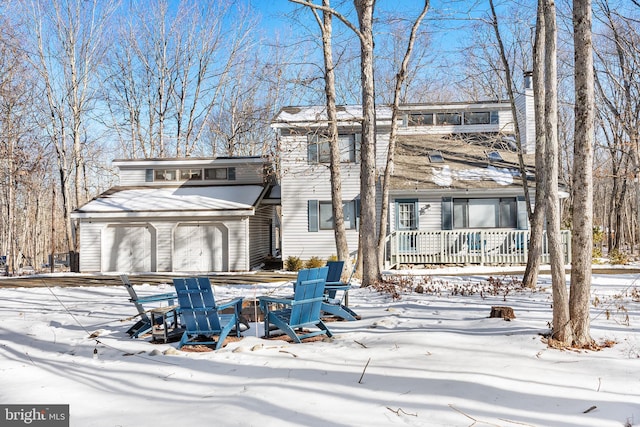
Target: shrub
{"x": 598, "y": 235}
{"x": 314, "y": 262}
{"x": 293, "y": 263}
{"x": 617, "y": 257}
{"x": 597, "y": 252}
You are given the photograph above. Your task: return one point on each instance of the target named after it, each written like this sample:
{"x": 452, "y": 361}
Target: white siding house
{"x": 182, "y": 215}
{"x": 456, "y": 177}
{"x": 307, "y": 225}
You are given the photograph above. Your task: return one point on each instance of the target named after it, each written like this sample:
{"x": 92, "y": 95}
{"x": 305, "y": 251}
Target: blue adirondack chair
{"x": 291, "y": 315}
{"x": 338, "y": 306}
{"x": 334, "y": 277}
{"x": 474, "y": 242}
{"x": 201, "y": 316}
{"x": 143, "y": 325}
{"x": 311, "y": 274}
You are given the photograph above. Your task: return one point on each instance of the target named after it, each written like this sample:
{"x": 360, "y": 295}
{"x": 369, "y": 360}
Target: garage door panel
{"x": 200, "y": 247}
{"x": 127, "y": 249}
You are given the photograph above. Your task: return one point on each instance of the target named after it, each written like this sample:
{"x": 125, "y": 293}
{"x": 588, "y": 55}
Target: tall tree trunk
{"x": 561, "y": 327}
{"x": 530, "y": 277}
{"x": 395, "y": 111}
{"x": 12, "y": 256}
{"x": 512, "y": 100}
{"x": 342, "y": 247}
{"x": 582, "y": 236}
{"x": 370, "y": 266}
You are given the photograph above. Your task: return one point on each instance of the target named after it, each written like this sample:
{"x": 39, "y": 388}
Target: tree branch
{"x": 332, "y": 11}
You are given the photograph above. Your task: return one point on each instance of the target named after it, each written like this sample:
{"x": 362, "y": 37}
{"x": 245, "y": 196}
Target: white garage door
{"x": 200, "y": 247}
{"x": 127, "y": 248}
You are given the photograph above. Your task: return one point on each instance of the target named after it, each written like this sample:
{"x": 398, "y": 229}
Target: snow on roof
{"x": 318, "y": 114}
{"x": 170, "y": 200}
{"x": 444, "y": 176}
{"x": 465, "y": 165}
{"x": 189, "y": 161}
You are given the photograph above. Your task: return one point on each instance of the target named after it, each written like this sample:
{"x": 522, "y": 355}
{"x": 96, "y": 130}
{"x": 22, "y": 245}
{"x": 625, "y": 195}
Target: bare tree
{"x": 561, "y": 321}
{"x": 401, "y": 77}
{"x": 618, "y": 61}
{"x": 239, "y": 124}
{"x": 24, "y": 177}
{"x": 419, "y": 83}
{"x": 508, "y": 78}
{"x": 367, "y": 247}
{"x": 13, "y": 99}
{"x": 173, "y": 71}
{"x": 582, "y": 234}
{"x": 530, "y": 277}
{"x": 70, "y": 46}
{"x": 326, "y": 29}
{"x": 368, "y": 172}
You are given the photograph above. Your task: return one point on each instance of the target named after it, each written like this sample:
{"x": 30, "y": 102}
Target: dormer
{"x": 193, "y": 171}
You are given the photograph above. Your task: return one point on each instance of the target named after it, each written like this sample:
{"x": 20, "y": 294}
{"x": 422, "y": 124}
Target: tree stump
{"x": 503, "y": 312}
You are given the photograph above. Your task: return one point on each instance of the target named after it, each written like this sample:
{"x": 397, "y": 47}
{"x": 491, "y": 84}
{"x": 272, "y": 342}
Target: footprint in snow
{"x": 387, "y": 322}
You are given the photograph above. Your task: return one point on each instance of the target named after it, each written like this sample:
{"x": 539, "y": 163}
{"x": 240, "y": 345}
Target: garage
{"x": 128, "y": 248}
{"x": 201, "y": 247}
{"x": 189, "y": 215}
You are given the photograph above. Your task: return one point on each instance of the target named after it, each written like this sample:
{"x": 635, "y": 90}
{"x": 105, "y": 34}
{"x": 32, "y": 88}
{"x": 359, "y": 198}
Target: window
{"x": 319, "y": 151}
{"x": 191, "y": 174}
{"x": 152, "y": 175}
{"x": 477, "y": 118}
{"x": 435, "y": 156}
{"x": 448, "y": 119}
{"x": 321, "y": 215}
{"x": 215, "y": 173}
{"x": 481, "y": 118}
{"x": 485, "y": 213}
{"x": 420, "y": 119}
{"x": 494, "y": 156}
{"x": 165, "y": 175}
{"x": 326, "y": 215}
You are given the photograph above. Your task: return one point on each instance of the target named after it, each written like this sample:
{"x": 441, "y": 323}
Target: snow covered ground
{"x": 425, "y": 359}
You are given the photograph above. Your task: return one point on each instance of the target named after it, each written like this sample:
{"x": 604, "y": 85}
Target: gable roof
{"x": 466, "y": 164}
{"x": 184, "y": 200}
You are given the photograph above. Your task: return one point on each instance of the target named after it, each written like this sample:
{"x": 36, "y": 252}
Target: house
{"x": 181, "y": 215}
{"x": 456, "y": 194}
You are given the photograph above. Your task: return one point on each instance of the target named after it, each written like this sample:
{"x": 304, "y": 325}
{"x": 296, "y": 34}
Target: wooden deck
{"x": 79, "y": 279}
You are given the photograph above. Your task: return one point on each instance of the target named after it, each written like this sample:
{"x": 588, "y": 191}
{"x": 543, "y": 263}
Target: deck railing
{"x": 492, "y": 247}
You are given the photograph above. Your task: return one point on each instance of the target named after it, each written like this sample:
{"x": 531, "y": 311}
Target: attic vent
{"x": 494, "y": 156}
{"x": 435, "y": 156}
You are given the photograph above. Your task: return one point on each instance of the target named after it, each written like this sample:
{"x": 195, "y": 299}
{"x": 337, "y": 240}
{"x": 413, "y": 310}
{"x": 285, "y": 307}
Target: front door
{"x": 407, "y": 220}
